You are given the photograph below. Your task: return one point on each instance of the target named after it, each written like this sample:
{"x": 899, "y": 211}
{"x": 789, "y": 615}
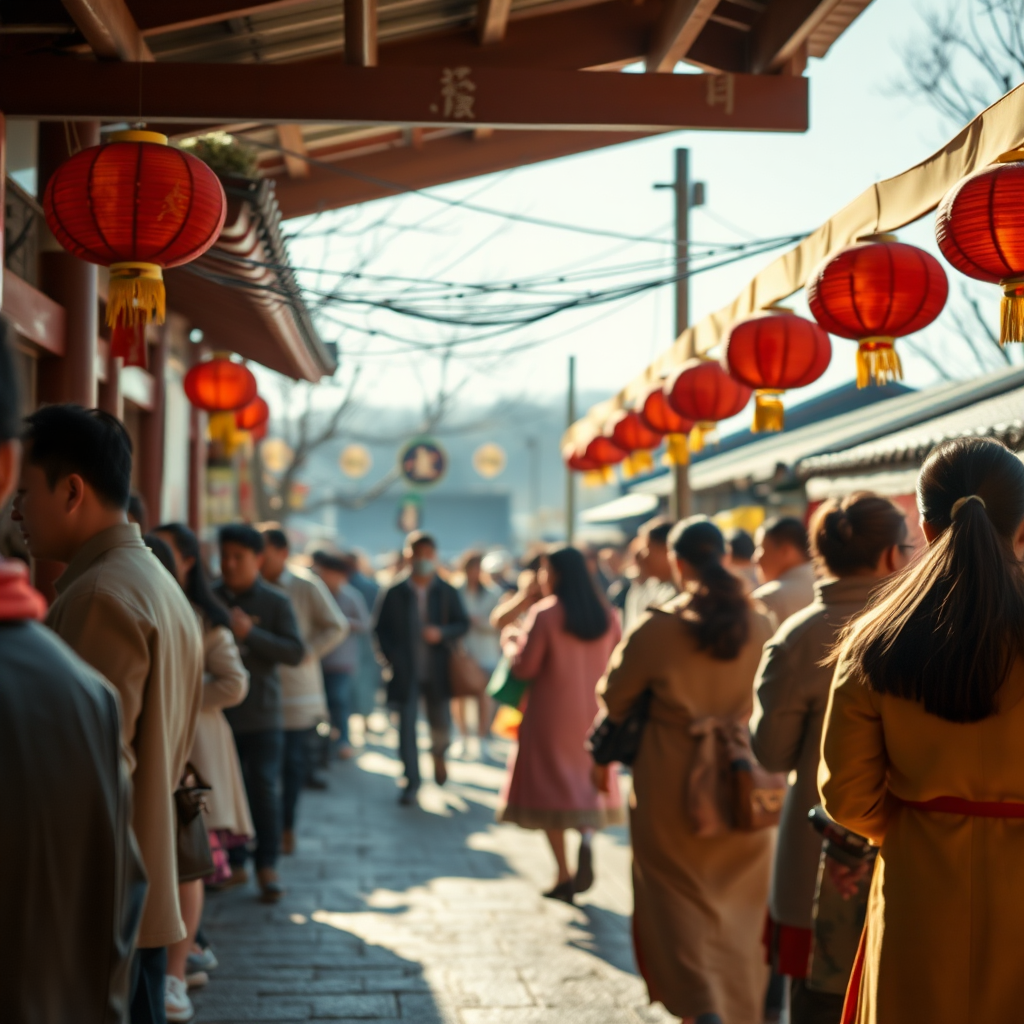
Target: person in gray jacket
{"x": 856, "y": 542}
{"x": 263, "y": 622}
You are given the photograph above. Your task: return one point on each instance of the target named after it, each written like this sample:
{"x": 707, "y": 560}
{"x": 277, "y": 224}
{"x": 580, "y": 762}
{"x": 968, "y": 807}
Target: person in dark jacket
{"x": 70, "y": 909}
{"x": 419, "y": 617}
{"x": 263, "y": 622}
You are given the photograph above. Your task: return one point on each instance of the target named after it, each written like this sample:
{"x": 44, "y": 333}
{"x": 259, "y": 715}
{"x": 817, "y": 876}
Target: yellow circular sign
{"x": 355, "y": 461}
{"x": 276, "y": 454}
{"x": 489, "y": 460}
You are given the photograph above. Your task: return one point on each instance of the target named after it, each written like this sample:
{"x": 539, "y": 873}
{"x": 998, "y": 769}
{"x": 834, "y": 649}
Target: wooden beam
{"x": 34, "y": 315}
{"x": 109, "y": 29}
{"x": 66, "y": 89}
{"x": 681, "y": 24}
{"x": 157, "y": 16}
{"x": 292, "y": 142}
{"x": 453, "y": 158}
{"x": 492, "y": 20}
{"x": 783, "y": 30}
{"x": 361, "y": 33}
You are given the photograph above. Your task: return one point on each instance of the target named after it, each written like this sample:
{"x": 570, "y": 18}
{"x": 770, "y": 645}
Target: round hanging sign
{"x": 355, "y": 461}
{"x": 489, "y": 460}
{"x": 423, "y": 462}
{"x": 276, "y": 454}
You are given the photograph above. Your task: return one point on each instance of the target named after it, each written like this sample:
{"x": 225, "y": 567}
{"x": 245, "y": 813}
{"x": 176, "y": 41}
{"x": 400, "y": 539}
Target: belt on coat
{"x": 938, "y": 805}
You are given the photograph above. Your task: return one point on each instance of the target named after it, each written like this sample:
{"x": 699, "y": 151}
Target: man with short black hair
{"x": 783, "y": 561}
{"x": 420, "y": 615}
{"x": 264, "y": 625}
{"x": 69, "y": 930}
{"x": 739, "y": 558}
{"x": 303, "y": 702}
{"x": 128, "y": 618}
{"x": 653, "y": 586}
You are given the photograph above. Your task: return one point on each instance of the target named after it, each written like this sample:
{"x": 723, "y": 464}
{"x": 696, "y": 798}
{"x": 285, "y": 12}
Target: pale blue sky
{"x": 764, "y": 184}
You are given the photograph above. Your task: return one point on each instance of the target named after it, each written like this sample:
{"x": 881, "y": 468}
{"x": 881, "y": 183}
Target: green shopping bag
{"x": 504, "y": 687}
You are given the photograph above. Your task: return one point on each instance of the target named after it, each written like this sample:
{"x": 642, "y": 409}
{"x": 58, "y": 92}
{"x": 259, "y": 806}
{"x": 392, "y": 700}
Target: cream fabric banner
{"x": 885, "y": 206}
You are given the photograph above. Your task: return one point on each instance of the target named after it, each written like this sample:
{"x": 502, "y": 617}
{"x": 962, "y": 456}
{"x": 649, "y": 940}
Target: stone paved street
{"x": 429, "y": 915}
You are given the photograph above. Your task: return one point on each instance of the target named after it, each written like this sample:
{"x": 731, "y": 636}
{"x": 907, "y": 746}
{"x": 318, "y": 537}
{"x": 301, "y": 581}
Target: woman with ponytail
{"x": 699, "y": 899}
{"x": 922, "y": 753}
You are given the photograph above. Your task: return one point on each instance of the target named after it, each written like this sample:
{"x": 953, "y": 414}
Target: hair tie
{"x": 960, "y": 502}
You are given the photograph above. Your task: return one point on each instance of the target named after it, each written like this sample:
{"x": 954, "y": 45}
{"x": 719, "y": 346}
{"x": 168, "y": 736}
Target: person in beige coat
{"x": 857, "y": 542}
{"x": 126, "y": 616}
{"x": 699, "y": 901}
{"x": 303, "y": 699}
{"x": 785, "y": 568}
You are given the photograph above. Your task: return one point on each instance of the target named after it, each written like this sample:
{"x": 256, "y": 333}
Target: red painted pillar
{"x": 196, "y": 472}
{"x": 111, "y": 398}
{"x": 150, "y": 456}
{"x": 69, "y": 281}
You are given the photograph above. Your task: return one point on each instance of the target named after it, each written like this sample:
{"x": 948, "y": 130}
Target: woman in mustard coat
{"x": 923, "y": 753}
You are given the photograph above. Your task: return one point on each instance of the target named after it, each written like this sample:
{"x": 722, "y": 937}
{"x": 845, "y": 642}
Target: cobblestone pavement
{"x": 429, "y": 915}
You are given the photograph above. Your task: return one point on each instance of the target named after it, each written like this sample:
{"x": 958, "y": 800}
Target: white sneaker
{"x": 176, "y": 1001}
{"x": 197, "y": 979}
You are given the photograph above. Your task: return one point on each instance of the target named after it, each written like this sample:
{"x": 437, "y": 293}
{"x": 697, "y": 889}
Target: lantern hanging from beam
{"x": 704, "y": 393}
{"x": 629, "y": 432}
{"x": 137, "y": 206}
{"x": 221, "y": 387}
{"x": 661, "y": 417}
{"x": 772, "y": 352}
{"x": 876, "y": 291}
{"x": 595, "y": 461}
{"x": 980, "y": 231}
{"x": 252, "y": 416}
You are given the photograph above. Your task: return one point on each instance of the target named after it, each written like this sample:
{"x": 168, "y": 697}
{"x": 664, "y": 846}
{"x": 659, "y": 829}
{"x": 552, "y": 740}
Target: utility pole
{"x": 570, "y": 476}
{"x": 681, "y": 499}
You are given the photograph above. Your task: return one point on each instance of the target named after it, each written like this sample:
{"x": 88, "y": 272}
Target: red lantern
{"x": 260, "y": 432}
{"x": 629, "y": 432}
{"x": 980, "y": 231}
{"x": 253, "y": 415}
{"x": 703, "y": 392}
{"x": 774, "y": 351}
{"x": 660, "y": 416}
{"x": 876, "y": 291}
{"x": 595, "y": 460}
{"x": 220, "y": 385}
{"x": 137, "y": 206}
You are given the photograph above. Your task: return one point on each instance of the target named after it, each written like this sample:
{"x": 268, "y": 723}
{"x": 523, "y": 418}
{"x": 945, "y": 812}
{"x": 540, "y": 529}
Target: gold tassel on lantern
{"x": 599, "y": 477}
{"x": 677, "y": 451}
{"x": 223, "y": 429}
{"x": 699, "y": 434}
{"x": 637, "y": 463}
{"x": 769, "y": 416}
{"x": 1011, "y": 311}
{"x": 877, "y": 361}
{"x": 136, "y": 294}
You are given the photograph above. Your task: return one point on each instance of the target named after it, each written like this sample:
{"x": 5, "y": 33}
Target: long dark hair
{"x": 947, "y": 629}
{"x": 718, "y": 612}
{"x": 197, "y": 586}
{"x": 850, "y": 535}
{"x": 586, "y": 615}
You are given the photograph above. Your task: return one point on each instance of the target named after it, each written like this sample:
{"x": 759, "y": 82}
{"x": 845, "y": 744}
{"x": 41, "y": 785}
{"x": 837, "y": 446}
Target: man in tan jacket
{"x": 322, "y": 627}
{"x": 784, "y": 564}
{"x": 121, "y": 611}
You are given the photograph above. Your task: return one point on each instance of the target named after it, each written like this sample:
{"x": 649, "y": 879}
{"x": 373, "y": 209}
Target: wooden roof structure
{"x": 351, "y": 100}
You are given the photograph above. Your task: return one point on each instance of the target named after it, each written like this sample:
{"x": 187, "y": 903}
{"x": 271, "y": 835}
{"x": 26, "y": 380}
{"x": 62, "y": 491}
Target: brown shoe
{"x": 270, "y": 887}
{"x": 287, "y": 841}
{"x": 239, "y": 876}
{"x": 440, "y": 770}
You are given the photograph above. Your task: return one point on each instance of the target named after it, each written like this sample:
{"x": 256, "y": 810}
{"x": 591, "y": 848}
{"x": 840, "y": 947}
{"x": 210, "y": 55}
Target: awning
{"x": 629, "y": 506}
{"x": 765, "y": 459}
{"x": 885, "y": 206}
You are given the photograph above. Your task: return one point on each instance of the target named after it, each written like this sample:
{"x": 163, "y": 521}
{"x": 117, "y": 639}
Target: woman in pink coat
{"x": 562, "y": 650}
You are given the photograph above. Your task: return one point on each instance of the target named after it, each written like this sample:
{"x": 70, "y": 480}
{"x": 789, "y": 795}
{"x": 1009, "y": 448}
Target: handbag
{"x": 465, "y": 676}
{"x": 506, "y": 688}
{"x": 620, "y": 741}
{"x": 195, "y": 858}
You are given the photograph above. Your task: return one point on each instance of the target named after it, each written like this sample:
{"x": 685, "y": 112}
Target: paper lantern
{"x": 980, "y": 230}
{"x": 874, "y": 292}
{"x": 253, "y": 415}
{"x": 661, "y": 417}
{"x": 137, "y": 206}
{"x": 220, "y": 385}
{"x": 629, "y": 432}
{"x": 773, "y": 352}
{"x": 704, "y": 393}
{"x": 595, "y": 461}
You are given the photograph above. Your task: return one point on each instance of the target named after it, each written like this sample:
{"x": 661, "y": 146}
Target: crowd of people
{"x": 820, "y": 722}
